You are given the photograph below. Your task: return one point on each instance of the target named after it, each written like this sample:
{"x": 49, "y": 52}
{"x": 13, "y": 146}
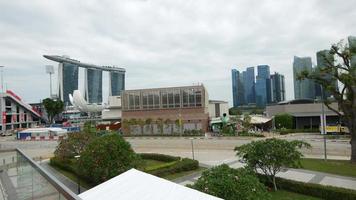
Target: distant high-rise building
{"x": 93, "y": 85}
{"x": 262, "y": 88}
{"x": 117, "y": 83}
{"x": 68, "y": 79}
{"x": 278, "y": 92}
{"x": 303, "y": 89}
{"x": 323, "y": 59}
{"x": 249, "y": 85}
{"x": 237, "y": 88}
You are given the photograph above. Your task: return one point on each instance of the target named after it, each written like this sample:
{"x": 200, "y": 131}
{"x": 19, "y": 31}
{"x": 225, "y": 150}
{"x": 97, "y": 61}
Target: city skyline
{"x": 167, "y": 44}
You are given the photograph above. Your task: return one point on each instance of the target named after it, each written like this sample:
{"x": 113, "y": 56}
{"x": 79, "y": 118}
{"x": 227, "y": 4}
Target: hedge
{"x": 159, "y": 157}
{"x": 185, "y": 164}
{"x": 66, "y": 165}
{"x": 316, "y": 190}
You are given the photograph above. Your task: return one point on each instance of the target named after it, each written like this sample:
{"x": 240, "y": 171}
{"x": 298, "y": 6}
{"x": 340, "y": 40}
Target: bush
{"x": 66, "y": 165}
{"x": 106, "y": 157}
{"x": 185, "y": 164}
{"x": 231, "y": 184}
{"x": 193, "y": 132}
{"x": 283, "y": 121}
{"x": 159, "y": 157}
{"x": 247, "y": 134}
{"x": 316, "y": 190}
{"x": 284, "y": 131}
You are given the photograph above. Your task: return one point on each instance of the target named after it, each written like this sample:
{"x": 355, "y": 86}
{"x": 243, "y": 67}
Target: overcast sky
{"x": 166, "y": 43}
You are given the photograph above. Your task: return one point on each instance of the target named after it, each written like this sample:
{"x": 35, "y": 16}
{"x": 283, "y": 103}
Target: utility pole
{"x": 2, "y": 79}
{"x": 323, "y": 120}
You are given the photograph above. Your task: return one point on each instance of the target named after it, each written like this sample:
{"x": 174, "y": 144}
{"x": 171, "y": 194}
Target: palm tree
{"x": 160, "y": 122}
{"x": 168, "y": 123}
{"x": 148, "y": 122}
{"x": 141, "y": 123}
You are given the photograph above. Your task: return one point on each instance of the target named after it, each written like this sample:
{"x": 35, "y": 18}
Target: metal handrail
{"x": 60, "y": 187}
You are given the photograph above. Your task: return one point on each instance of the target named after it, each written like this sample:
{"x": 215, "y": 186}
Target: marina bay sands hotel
{"x": 68, "y": 70}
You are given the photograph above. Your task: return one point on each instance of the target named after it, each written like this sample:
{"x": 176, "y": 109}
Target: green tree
{"x": 106, "y": 157}
{"x": 340, "y": 67}
{"x": 73, "y": 145}
{"x": 53, "y": 108}
{"x": 235, "y": 111}
{"x": 160, "y": 124}
{"x": 148, "y": 122}
{"x": 246, "y": 122}
{"x": 168, "y": 123}
{"x": 141, "y": 123}
{"x": 271, "y": 155}
{"x": 126, "y": 126}
{"x": 231, "y": 184}
{"x": 284, "y": 120}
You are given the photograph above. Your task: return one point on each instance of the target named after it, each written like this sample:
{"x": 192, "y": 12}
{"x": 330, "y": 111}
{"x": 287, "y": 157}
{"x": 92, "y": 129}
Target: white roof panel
{"x": 134, "y": 185}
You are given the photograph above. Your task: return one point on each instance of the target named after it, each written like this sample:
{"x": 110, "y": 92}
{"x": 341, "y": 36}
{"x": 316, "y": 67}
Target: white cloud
{"x": 167, "y": 43}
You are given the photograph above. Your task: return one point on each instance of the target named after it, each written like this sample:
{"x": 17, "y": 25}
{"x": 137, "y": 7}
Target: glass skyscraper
{"x": 263, "y": 88}
{"x": 237, "y": 88}
{"x": 94, "y": 84}
{"x": 323, "y": 58}
{"x": 249, "y": 84}
{"x": 303, "y": 89}
{"x": 278, "y": 92}
{"x": 68, "y": 74}
{"x": 117, "y": 83}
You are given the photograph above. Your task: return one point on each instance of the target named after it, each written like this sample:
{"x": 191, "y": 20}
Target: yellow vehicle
{"x": 336, "y": 129}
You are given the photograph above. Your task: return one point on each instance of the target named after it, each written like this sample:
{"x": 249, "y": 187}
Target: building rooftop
{"x": 62, "y": 59}
{"x": 134, "y": 185}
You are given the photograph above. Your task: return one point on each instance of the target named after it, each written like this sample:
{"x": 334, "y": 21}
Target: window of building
{"x": 150, "y": 100}
{"x": 164, "y": 96}
{"x": 176, "y": 98}
{"x": 156, "y": 99}
{"x": 185, "y": 98}
{"x": 198, "y": 98}
{"x": 171, "y": 99}
{"x": 191, "y": 98}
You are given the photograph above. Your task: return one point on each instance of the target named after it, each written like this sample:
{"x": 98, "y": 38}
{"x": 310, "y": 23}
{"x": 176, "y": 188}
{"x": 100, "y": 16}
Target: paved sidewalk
{"x": 301, "y": 175}
{"x": 63, "y": 179}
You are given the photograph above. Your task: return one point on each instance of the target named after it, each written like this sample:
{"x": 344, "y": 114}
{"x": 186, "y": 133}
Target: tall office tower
{"x": 323, "y": 59}
{"x": 117, "y": 83}
{"x": 278, "y": 92}
{"x": 93, "y": 85}
{"x": 67, "y": 80}
{"x": 248, "y": 80}
{"x": 237, "y": 88}
{"x": 263, "y": 86}
{"x": 303, "y": 89}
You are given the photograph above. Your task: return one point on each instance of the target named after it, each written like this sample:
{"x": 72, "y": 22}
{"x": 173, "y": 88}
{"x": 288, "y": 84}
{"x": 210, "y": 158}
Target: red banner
{"x": 4, "y": 118}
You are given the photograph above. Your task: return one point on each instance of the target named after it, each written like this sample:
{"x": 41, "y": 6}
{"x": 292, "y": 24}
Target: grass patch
{"x": 73, "y": 177}
{"x": 338, "y": 167}
{"x": 285, "y": 195}
{"x": 181, "y": 174}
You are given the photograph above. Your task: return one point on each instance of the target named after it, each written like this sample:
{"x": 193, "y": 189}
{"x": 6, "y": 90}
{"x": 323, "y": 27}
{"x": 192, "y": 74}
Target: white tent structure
{"x": 137, "y": 185}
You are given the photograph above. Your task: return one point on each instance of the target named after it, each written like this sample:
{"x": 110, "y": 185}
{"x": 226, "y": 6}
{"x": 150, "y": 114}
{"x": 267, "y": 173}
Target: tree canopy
{"x": 271, "y": 155}
{"x": 339, "y": 65}
{"x": 53, "y": 108}
{"x": 231, "y": 184}
{"x": 106, "y": 157}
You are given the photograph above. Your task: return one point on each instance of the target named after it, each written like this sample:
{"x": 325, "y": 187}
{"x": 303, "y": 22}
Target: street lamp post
{"x": 191, "y": 141}
{"x": 78, "y": 179}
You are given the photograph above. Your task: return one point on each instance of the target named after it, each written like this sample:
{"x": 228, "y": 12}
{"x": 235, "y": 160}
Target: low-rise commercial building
{"x": 306, "y": 112}
{"x": 218, "y": 108}
{"x": 178, "y": 108}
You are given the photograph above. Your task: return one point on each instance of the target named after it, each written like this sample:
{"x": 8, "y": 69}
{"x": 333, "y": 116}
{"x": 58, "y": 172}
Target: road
{"x": 210, "y": 151}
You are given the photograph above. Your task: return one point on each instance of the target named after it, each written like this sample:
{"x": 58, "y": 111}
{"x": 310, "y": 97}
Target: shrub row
{"x": 316, "y": 190}
{"x": 159, "y": 157}
{"x": 286, "y": 131}
{"x": 66, "y": 165}
{"x": 185, "y": 164}
{"x": 245, "y": 133}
